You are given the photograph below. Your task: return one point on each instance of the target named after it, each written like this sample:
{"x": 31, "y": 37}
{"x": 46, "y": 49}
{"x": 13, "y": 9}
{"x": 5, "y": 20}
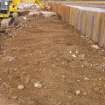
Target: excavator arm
{"x": 40, "y": 3}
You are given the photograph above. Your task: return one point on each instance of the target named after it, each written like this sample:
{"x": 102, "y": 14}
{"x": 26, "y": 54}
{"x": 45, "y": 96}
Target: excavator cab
{"x": 7, "y": 8}
{"x": 4, "y": 8}
{"x": 8, "y": 11}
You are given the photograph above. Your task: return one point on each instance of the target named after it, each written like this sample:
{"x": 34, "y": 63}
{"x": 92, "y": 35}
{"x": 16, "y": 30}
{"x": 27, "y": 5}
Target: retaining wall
{"x": 90, "y": 21}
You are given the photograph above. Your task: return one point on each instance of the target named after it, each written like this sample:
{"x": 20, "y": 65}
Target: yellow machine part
{"x": 40, "y": 3}
{"x": 27, "y": 1}
{"x": 13, "y": 5}
{"x": 4, "y": 15}
{"x": 14, "y": 9}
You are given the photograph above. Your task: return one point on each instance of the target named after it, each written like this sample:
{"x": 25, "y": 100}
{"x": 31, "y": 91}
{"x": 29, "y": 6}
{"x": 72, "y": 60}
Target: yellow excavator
{"x": 9, "y": 8}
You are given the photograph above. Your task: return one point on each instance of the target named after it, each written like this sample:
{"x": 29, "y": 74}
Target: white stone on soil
{"x": 74, "y": 56}
{"x": 95, "y": 46}
{"x": 78, "y": 92}
{"x": 20, "y": 87}
{"x": 37, "y": 85}
{"x": 86, "y": 78}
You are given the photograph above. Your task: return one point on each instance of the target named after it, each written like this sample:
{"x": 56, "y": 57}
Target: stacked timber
{"x": 90, "y": 21}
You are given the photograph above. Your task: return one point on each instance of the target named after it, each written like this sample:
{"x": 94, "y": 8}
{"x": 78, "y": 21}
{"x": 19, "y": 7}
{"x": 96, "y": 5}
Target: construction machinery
{"x": 8, "y": 10}
{"x": 10, "y": 7}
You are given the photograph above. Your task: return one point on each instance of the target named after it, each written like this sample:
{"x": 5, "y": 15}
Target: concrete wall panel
{"x": 89, "y": 21}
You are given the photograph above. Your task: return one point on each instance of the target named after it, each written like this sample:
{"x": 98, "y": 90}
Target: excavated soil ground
{"x": 47, "y": 62}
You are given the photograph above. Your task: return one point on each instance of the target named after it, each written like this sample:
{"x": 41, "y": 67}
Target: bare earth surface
{"x": 48, "y": 63}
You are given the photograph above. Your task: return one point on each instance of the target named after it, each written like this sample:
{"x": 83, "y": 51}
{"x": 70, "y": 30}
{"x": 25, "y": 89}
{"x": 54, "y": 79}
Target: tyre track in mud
{"x": 48, "y": 63}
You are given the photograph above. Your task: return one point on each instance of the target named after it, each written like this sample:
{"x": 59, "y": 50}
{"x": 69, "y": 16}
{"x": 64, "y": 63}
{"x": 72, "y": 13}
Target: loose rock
{"x": 86, "y": 78}
{"x": 78, "y": 92}
{"x": 37, "y": 85}
{"x": 95, "y": 46}
{"x": 20, "y": 87}
{"x": 74, "y": 56}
